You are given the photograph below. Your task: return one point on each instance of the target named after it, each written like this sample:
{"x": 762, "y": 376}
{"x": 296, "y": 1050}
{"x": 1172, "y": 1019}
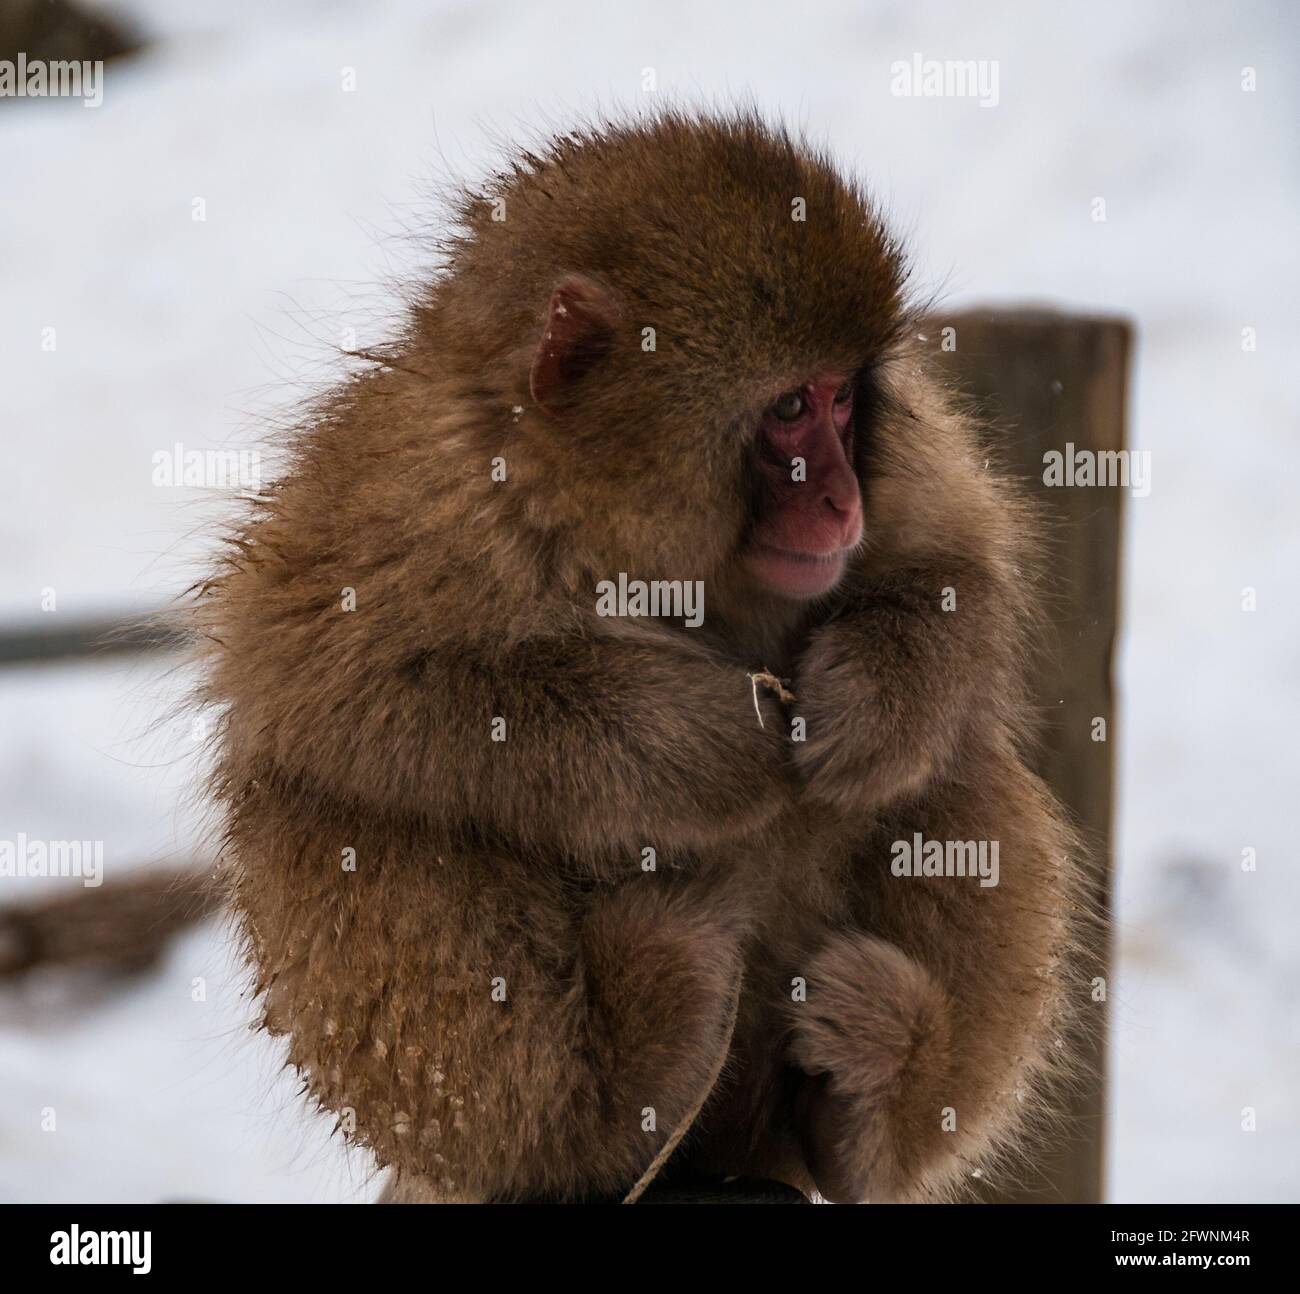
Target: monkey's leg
{"x": 925, "y": 1039}
{"x": 588, "y": 1075}
{"x": 528, "y": 1043}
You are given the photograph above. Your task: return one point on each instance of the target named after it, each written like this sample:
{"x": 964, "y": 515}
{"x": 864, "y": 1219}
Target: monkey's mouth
{"x": 794, "y": 574}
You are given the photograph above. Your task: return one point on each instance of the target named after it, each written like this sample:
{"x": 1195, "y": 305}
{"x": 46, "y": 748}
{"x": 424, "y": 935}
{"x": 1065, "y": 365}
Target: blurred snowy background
{"x": 172, "y": 329}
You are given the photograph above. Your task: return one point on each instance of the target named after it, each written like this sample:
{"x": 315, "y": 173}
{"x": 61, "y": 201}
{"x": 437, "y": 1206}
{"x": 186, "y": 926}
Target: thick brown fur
{"x": 499, "y": 993}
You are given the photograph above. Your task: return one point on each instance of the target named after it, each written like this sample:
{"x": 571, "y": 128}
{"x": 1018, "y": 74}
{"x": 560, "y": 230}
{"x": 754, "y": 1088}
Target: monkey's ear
{"x": 580, "y": 323}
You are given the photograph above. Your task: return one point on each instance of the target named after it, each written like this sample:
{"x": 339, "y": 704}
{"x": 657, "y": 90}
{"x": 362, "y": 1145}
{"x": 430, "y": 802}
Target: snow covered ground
{"x": 171, "y": 329}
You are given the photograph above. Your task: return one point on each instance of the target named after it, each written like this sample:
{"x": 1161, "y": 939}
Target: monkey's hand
{"x": 873, "y": 1040}
{"x": 887, "y": 689}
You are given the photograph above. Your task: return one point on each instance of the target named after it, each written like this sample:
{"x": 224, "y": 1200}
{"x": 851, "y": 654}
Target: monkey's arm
{"x": 585, "y": 745}
{"x": 932, "y": 632}
{"x": 930, "y": 1018}
{"x": 888, "y": 688}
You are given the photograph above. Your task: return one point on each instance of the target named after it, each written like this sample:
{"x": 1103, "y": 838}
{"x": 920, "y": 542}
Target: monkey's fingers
{"x": 832, "y": 1142}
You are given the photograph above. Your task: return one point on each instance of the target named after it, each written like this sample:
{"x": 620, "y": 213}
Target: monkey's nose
{"x": 843, "y": 500}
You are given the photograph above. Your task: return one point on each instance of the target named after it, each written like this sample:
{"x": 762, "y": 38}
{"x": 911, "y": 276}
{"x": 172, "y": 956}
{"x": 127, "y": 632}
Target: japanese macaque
{"x": 549, "y": 900}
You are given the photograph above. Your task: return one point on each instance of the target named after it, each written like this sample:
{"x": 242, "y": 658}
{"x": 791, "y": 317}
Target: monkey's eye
{"x": 845, "y": 393}
{"x": 790, "y": 406}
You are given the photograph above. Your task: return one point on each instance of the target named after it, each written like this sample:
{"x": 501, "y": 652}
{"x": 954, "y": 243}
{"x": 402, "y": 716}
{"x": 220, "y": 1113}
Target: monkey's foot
{"x": 874, "y": 1041}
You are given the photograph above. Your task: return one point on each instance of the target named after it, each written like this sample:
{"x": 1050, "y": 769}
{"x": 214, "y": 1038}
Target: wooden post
{"x": 1048, "y": 381}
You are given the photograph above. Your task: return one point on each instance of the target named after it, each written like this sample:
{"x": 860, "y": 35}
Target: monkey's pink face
{"x": 809, "y": 514}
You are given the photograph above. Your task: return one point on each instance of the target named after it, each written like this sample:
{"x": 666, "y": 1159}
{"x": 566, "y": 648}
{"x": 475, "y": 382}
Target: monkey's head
{"x": 687, "y": 322}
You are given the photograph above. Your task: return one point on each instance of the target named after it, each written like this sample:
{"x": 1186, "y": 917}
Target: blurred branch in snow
{"x": 58, "y": 29}
{"x": 119, "y": 928}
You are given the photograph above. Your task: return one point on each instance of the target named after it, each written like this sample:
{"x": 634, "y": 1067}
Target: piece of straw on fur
{"x": 773, "y": 685}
